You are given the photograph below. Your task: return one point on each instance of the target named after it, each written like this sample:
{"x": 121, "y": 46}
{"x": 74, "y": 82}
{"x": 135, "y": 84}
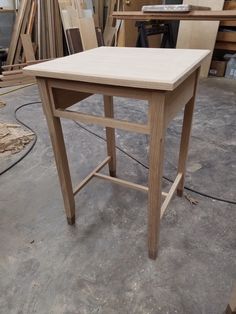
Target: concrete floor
{"x": 100, "y": 265}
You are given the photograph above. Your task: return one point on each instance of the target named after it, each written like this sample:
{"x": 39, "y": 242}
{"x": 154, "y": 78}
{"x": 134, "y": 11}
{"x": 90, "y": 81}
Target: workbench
{"x": 165, "y": 78}
{"x": 227, "y": 15}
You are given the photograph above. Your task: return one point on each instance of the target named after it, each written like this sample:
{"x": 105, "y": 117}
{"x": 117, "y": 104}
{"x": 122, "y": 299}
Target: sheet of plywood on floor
{"x": 200, "y": 34}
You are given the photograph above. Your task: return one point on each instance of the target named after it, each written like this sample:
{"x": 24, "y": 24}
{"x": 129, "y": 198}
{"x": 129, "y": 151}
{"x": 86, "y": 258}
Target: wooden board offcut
{"x": 200, "y": 34}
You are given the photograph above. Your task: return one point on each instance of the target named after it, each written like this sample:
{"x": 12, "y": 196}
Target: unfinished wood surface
{"x": 227, "y": 36}
{"x": 171, "y": 193}
{"x": 226, "y": 46}
{"x": 200, "y": 35}
{"x": 102, "y": 89}
{"x": 56, "y": 134}
{"x": 232, "y": 303}
{"x": 88, "y": 78}
{"x": 156, "y": 155}
{"x": 31, "y": 17}
{"x": 16, "y": 31}
{"x": 14, "y": 77}
{"x": 64, "y": 100}
{"x": 13, "y": 72}
{"x": 177, "y": 99}
{"x": 122, "y": 182}
{"x": 88, "y": 33}
{"x": 74, "y": 40}
{"x": 106, "y": 122}
{"x": 22, "y": 81}
{"x": 229, "y": 5}
{"x": 162, "y": 69}
{"x": 213, "y": 15}
{"x": 110, "y": 135}
{"x": 27, "y": 47}
{"x": 185, "y": 137}
{"x": 91, "y": 175}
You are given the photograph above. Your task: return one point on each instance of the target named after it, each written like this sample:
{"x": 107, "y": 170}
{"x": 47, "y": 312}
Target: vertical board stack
{"x": 226, "y": 38}
{"x": 53, "y": 28}
{"x": 37, "y": 34}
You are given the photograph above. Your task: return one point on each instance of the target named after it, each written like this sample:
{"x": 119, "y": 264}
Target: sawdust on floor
{"x": 13, "y": 138}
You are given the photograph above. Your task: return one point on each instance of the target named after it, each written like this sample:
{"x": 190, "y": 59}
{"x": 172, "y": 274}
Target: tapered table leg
{"x": 110, "y": 135}
{"x": 185, "y": 138}
{"x": 156, "y": 154}
{"x": 56, "y": 134}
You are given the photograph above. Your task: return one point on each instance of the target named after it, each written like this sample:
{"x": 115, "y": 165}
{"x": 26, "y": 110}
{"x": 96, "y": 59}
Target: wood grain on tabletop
{"x": 148, "y": 68}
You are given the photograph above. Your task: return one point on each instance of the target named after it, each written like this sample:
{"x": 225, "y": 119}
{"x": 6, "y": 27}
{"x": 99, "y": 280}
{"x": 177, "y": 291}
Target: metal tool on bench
{"x": 172, "y": 8}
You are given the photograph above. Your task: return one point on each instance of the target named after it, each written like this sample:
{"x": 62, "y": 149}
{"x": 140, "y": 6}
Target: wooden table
{"x": 227, "y": 15}
{"x": 165, "y": 78}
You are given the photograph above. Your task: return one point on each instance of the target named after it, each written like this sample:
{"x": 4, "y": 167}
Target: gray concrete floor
{"x": 100, "y": 265}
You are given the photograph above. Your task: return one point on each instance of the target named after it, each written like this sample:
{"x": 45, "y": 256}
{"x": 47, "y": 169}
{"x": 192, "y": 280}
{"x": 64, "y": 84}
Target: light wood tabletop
{"x": 226, "y": 15}
{"x": 161, "y": 69}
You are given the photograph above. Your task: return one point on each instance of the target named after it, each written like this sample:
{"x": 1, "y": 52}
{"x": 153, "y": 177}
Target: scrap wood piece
{"x": 13, "y": 138}
{"x": 2, "y": 104}
{"x": 191, "y": 200}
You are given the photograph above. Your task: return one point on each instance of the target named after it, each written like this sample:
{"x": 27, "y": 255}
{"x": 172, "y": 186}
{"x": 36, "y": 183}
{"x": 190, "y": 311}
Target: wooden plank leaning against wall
{"x": 200, "y": 34}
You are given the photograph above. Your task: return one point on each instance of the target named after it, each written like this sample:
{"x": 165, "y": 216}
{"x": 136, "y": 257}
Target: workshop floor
{"x": 100, "y": 265}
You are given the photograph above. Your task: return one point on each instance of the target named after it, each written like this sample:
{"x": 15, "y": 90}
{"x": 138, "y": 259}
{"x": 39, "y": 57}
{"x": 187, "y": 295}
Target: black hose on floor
{"x": 102, "y": 138}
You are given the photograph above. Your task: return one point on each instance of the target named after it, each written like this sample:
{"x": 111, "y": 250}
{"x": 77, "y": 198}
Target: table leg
{"x": 184, "y": 144}
{"x": 231, "y": 308}
{"x": 156, "y": 154}
{"x": 56, "y": 134}
{"x": 110, "y": 135}
{"x": 185, "y": 137}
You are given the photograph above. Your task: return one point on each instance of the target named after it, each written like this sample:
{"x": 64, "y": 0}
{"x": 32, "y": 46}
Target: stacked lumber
{"x": 49, "y": 32}
{"x": 226, "y": 38}
{"x": 78, "y": 23}
{"x": 37, "y": 34}
{"x": 200, "y": 34}
{"x": 13, "y": 74}
{"x": 41, "y": 27}
{"x": 83, "y": 23}
{"x": 41, "y": 20}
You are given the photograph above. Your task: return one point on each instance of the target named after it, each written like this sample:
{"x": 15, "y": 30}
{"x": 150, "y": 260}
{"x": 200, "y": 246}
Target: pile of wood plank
{"x": 41, "y": 20}
{"x": 37, "y": 33}
{"x": 83, "y": 23}
{"x": 54, "y": 28}
{"x": 226, "y": 37}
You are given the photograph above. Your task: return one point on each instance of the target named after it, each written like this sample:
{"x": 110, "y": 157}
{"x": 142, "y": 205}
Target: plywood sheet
{"x": 88, "y": 33}
{"x": 200, "y": 34}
